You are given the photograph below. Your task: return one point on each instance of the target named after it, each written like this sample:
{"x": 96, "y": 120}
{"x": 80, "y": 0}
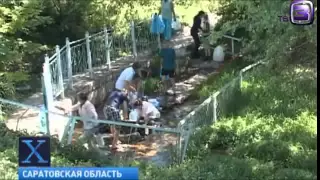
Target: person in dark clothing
{"x": 194, "y": 32}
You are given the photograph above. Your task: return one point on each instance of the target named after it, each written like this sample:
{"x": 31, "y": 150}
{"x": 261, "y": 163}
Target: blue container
{"x": 155, "y": 102}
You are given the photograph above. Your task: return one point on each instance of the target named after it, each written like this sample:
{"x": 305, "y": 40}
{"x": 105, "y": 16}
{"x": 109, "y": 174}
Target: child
{"x": 205, "y": 37}
{"x": 168, "y": 65}
{"x": 148, "y": 111}
{"x": 112, "y": 112}
{"x": 88, "y": 112}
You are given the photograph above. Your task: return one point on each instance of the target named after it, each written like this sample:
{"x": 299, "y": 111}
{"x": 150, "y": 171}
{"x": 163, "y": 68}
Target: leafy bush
{"x": 214, "y": 82}
{"x": 272, "y": 137}
{"x": 152, "y": 85}
{"x": 60, "y": 156}
{"x": 217, "y": 167}
{"x": 284, "y": 135}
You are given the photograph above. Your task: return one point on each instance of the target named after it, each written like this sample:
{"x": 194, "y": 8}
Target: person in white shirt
{"x": 148, "y": 111}
{"x": 87, "y": 111}
{"x": 126, "y": 76}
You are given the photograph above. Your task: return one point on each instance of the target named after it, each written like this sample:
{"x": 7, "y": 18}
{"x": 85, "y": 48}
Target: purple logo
{"x": 301, "y": 12}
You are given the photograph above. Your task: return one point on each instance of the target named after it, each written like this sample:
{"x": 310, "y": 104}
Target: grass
{"x": 272, "y": 135}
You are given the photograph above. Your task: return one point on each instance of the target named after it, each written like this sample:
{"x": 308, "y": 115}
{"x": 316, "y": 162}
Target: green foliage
{"x": 271, "y": 127}
{"x": 60, "y": 156}
{"x": 216, "y": 81}
{"x": 271, "y": 135}
{"x": 25, "y": 25}
{"x": 152, "y": 85}
{"x": 264, "y": 36}
{"x": 156, "y": 62}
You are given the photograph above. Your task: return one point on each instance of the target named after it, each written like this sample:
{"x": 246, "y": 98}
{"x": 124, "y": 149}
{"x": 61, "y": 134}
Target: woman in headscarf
{"x": 167, "y": 11}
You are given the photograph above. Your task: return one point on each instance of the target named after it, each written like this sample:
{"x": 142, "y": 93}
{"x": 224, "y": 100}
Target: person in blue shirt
{"x": 111, "y": 111}
{"x": 168, "y": 67}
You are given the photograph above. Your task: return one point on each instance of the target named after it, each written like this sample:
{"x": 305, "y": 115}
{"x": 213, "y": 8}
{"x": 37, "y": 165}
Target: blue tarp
{"x": 157, "y": 25}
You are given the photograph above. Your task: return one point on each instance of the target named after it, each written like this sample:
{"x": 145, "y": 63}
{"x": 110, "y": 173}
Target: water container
{"x": 134, "y": 115}
{"x": 176, "y": 25}
{"x": 218, "y": 54}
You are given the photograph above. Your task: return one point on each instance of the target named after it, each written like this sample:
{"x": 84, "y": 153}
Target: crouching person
{"x": 116, "y": 100}
{"x": 149, "y": 113}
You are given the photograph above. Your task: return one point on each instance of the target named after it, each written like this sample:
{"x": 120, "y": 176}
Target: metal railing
{"x": 215, "y": 107}
{"x": 211, "y": 110}
{"x": 95, "y": 50}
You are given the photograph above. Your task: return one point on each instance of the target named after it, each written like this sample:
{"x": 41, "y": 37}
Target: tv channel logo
{"x": 34, "y": 151}
{"x": 301, "y": 12}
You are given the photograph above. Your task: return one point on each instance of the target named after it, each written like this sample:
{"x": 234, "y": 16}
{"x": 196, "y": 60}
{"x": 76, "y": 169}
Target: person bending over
{"x": 168, "y": 68}
{"x": 124, "y": 81}
{"x": 148, "y": 111}
{"x": 194, "y": 33}
{"x": 111, "y": 111}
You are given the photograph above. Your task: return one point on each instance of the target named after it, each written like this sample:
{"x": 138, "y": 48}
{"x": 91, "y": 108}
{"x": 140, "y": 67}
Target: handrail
{"x": 233, "y": 38}
{"x": 76, "y": 41}
{"x": 52, "y": 57}
{"x": 208, "y": 100}
{"x": 170, "y": 130}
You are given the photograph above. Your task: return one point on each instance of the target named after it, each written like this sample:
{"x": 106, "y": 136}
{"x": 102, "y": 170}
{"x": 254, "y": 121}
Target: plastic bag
{"x": 176, "y": 25}
{"x": 157, "y": 25}
{"x": 155, "y": 102}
